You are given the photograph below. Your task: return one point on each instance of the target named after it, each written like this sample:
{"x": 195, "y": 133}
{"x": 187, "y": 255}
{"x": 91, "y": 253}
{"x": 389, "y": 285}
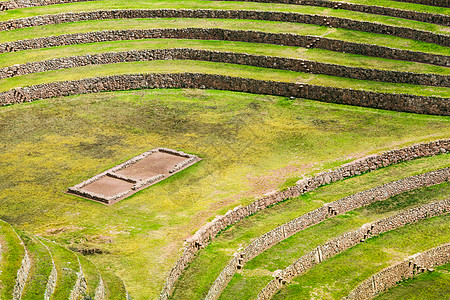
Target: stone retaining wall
{"x": 370, "y": 9}
{"x": 410, "y": 267}
{"x": 22, "y": 273}
{"x": 80, "y": 287}
{"x": 249, "y": 36}
{"x": 404, "y": 32}
{"x": 338, "y": 207}
{"x": 14, "y": 4}
{"x": 100, "y": 292}
{"x": 52, "y": 279}
{"x": 207, "y": 232}
{"x": 298, "y": 65}
{"x": 441, "y": 3}
{"x": 388, "y": 101}
{"x": 351, "y": 239}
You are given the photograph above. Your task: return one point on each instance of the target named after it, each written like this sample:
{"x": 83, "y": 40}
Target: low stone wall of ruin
{"x": 387, "y": 101}
{"x": 207, "y": 232}
{"x": 404, "y": 32}
{"x": 338, "y": 207}
{"x": 391, "y": 276}
{"x": 14, "y": 4}
{"x": 441, "y": 3}
{"x": 351, "y": 239}
{"x": 249, "y": 36}
{"x": 370, "y": 9}
{"x": 298, "y": 65}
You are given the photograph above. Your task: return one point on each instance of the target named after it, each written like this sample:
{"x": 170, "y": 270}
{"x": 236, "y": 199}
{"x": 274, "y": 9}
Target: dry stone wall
{"x": 14, "y": 4}
{"x": 441, "y": 3}
{"x": 100, "y": 292}
{"x": 410, "y": 267}
{"x": 207, "y": 232}
{"x": 338, "y": 207}
{"x": 52, "y": 279}
{"x": 22, "y": 273}
{"x": 395, "y": 102}
{"x": 404, "y": 32}
{"x": 351, "y": 239}
{"x": 249, "y": 36}
{"x": 370, "y": 9}
{"x": 298, "y": 65}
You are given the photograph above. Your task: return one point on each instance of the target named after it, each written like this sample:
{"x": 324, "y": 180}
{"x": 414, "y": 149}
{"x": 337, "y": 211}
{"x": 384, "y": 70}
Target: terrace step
{"x": 68, "y": 269}
{"x": 14, "y": 263}
{"x": 40, "y": 268}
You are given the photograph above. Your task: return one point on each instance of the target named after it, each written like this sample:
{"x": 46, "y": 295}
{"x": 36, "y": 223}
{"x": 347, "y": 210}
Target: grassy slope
{"x": 432, "y": 286}
{"x": 67, "y": 267}
{"x": 266, "y": 26}
{"x": 337, "y": 276}
{"x": 11, "y": 259}
{"x": 229, "y": 5}
{"x": 251, "y": 144}
{"x": 257, "y": 273}
{"x": 180, "y": 66}
{"x": 208, "y": 264}
{"x": 40, "y": 268}
{"x": 353, "y": 60}
{"x": 91, "y": 273}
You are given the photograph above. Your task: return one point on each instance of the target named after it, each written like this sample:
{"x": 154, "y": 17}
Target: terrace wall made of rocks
{"x": 404, "y": 32}
{"x": 441, "y": 3}
{"x": 14, "y": 4}
{"x": 409, "y": 268}
{"x": 338, "y": 207}
{"x": 387, "y": 101}
{"x": 370, "y": 9}
{"x": 351, "y": 239}
{"x": 298, "y": 65}
{"x": 249, "y": 36}
{"x": 207, "y": 232}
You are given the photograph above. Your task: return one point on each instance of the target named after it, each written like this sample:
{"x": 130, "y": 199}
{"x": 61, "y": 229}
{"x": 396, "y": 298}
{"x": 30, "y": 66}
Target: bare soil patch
{"x": 133, "y": 175}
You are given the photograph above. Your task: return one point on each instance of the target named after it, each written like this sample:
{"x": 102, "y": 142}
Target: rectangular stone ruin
{"x": 133, "y": 175}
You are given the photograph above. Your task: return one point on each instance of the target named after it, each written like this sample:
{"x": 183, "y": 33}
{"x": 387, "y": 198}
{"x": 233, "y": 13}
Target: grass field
{"x": 250, "y": 145}
{"x": 431, "y": 286}
{"x": 336, "y": 277}
{"x": 229, "y": 5}
{"x": 257, "y": 273}
{"x": 265, "y": 26}
{"x": 352, "y": 60}
{"x": 163, "y": 66}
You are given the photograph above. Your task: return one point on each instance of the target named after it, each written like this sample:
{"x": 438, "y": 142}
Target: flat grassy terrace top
{"x": 430, "y": 285}
{"x": 251, "y": 144}
{"x": 197, "y": 4}
{"x": 256, "y": 274}
{"x": 336, "y": 277}
{"x": 256, "y": 25}
{"x": 313, "y": 54}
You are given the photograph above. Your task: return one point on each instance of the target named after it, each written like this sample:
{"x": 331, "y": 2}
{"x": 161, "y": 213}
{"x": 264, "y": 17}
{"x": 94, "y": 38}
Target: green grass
{"x": 336, "y": 277}
{"x": 430, "y": 285}
{"x": 11, "y": 259}
{"x": 257, "y": 272}
{"x": 140, "y": 3}
{"x": 91, "y": 273}
{"x": 41, "y": 267}
{"x": 199, "y": 276}
{"x": 250, "y": 144}
{"x": 180, "y": 66}
{"x": 115, "y": 289}
{"x": 265, "y": 26}
{"x": 240, "y": 6}
{"x": 352, "y": 60}
{"x": 67, "y": 267}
